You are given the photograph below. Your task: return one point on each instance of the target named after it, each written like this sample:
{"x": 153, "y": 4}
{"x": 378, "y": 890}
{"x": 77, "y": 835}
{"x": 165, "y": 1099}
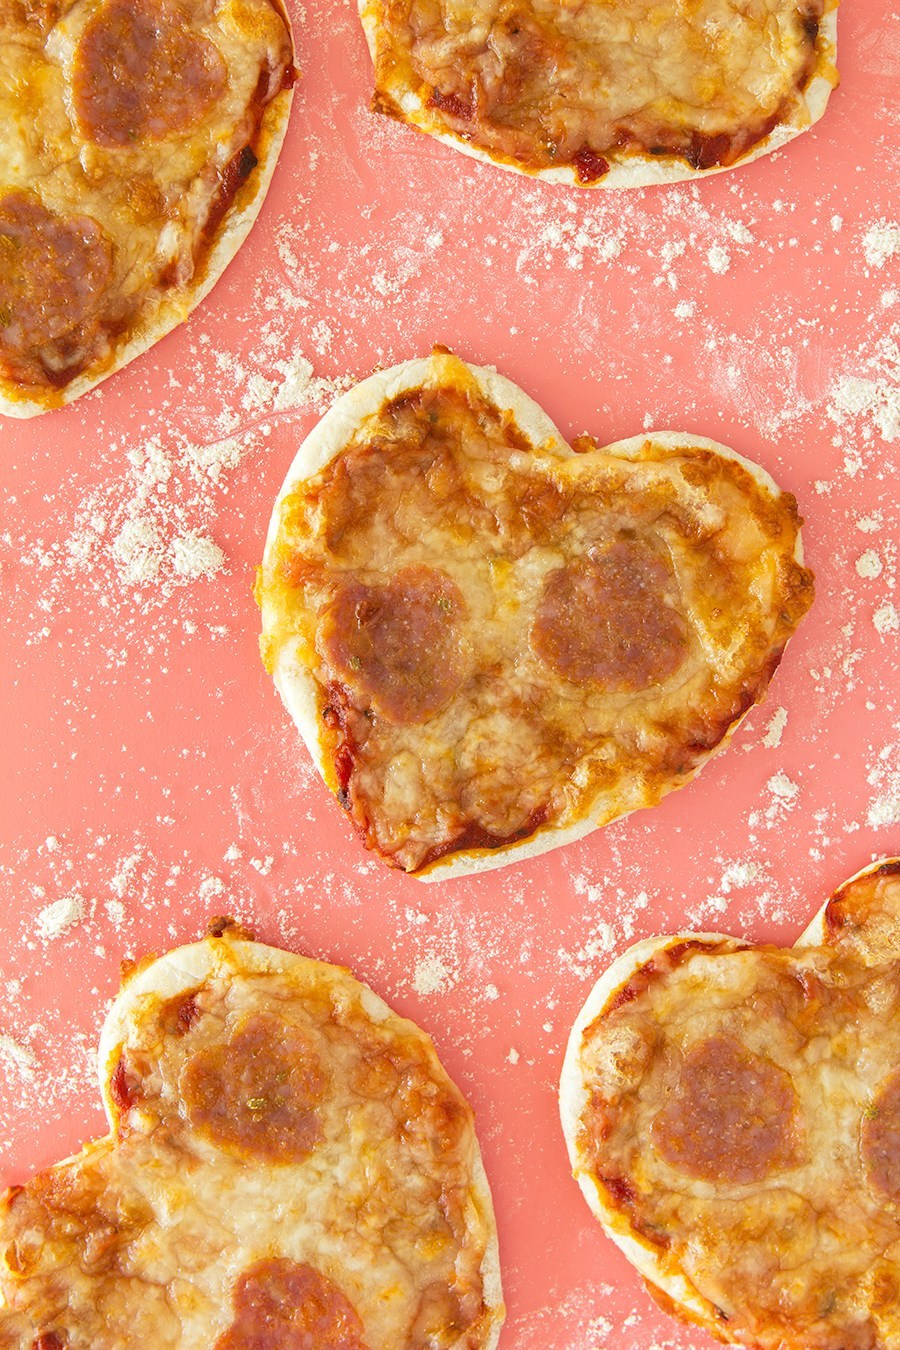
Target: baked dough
{"x": 607, "y": 93}
{"x": 137, "y": 141}
{"x": 288, "y": 1165}
{"x": 493, "y": 642}
{"x": 732, "y": 1114}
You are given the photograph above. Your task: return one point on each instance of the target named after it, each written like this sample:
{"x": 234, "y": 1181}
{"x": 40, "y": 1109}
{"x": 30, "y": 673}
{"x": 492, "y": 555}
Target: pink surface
{"x": 150, "y": 774}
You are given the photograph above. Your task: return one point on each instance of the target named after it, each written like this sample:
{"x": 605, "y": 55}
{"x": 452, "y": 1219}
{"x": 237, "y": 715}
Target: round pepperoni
{"x": 609, "y": 619}
{"x": 398, "y": 646}
{"x": 880, "y": 1140}
{"x": 54, "y": 271}
{"x": 256, "y": 1093}
{"x": 283, "y": 1305}
{"x": 732, "y": 1117}
{"x": 142, "y": 74}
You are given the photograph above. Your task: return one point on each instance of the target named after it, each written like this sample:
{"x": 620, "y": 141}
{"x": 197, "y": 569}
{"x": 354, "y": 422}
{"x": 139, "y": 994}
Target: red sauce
{"x": 621, "y": 1190}
{"x": 589, "y": 166}
{"x": 475, "y": 837}
{"x": 452, "y": 104}
{"x": 123, "y": 1092}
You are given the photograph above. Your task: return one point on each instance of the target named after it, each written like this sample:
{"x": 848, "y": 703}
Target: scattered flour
{"x": 60, "y": 917}
{"x": 195, "y": 555}
{"x": 884, "y": 808}
{"x": 432, "y": 976}
{"x": 740, "y": 875}
{"x": 886, "y": 619}
{"x": 785, "y": 795}
{"x": 873, "y": 398}
{"x": 869, "y": 565}
{"x": 880, "y": 242}
{"x": 719, "y": 259}
{"x": 18, "y": 1057}
{"x": 775, "y": 730}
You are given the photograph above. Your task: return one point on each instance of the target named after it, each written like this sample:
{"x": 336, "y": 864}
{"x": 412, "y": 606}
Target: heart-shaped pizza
{"x": 137, "y": 141}
{"x": 607, "y": 93}
{"x": 288, "y": 1167}
{"x": 493, "y": 642}
{"x": 732, "y": 1114}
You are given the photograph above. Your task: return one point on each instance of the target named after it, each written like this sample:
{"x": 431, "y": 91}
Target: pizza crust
{"x": 177, "y": 306}
{"x": 574, "y": 1097}
{"x": 156, "y": 981}
{"x": 326, "y": 442}
{"x": 638, "y": 170}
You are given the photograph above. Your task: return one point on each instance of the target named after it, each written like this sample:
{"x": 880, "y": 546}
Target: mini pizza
{"x": 493, "y": 642}
{"x": 612, "y": 93}
{"x": 732, "y": 1114}
{"x": 137, "y": 141}
{"x": 288, "y": 1168}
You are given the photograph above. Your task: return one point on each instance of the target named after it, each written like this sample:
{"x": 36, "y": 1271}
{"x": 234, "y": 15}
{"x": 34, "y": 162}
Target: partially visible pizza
{"x": 288, "y": 1168}
{"x": 732, "y": 1114}
{"x": 493, "y": 642}
{"x": 606, "y": 93}
{"x": 137, "y": 141}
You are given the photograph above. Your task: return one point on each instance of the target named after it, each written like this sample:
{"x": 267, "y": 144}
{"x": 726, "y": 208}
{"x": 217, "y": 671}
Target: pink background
{"x": 149, "y": 770}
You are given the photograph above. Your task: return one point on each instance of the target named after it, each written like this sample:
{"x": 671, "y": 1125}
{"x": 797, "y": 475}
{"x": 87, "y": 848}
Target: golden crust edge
{"x": 573, "y": 1096}
{"x": 327, "y": 441}
{"x": 183, "y": 968}
{"x": 639, "y": 171}
{"x": 572, "y": 1099}
{"x": 236, "y": 225}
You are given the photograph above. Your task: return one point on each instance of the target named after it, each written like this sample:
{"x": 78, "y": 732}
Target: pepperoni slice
{"x": 142, "y": 74}
{"x": 255, "y": 1094}
{"x": 733, "y": 1116}
{"x": 880, "y": 1140}
{"x": 283, "y": 1305}
{"x": 398, "y": 646}
{"x": 610, "y": 619}
{"x": 54, "y": 271}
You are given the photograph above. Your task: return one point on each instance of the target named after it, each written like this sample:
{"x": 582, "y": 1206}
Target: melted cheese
{"x": 145, "y": 1237}
{"x": 541, "y": 84}
{"x": 807, "y": 1254}
{"x": 154, "y": 196}
{"x": 532, "y": 734}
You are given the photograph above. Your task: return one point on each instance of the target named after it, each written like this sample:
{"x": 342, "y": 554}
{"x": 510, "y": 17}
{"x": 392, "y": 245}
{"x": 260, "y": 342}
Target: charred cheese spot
{"x": 733, "y": 1116}
{"x": 256, "y": 1093}
{"x": 611, "y": 618}
{"x": 286, "y": 1305}
{"x": 540, "y": 85}
{"x": 53, "y": 274}
{"x": 880, "y": 1140}
{"x": 141, "y": 73}
{"x": 398, "y": 646}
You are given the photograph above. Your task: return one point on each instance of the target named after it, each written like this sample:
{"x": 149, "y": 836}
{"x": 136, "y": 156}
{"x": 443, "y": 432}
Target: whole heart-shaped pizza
{"x": 493, "y": 642}
{"x": 137, "y": 141}
{"x": 288, "y": 1167}
{"x": 732, "y": 1114}
{"x": 606, "y": 93}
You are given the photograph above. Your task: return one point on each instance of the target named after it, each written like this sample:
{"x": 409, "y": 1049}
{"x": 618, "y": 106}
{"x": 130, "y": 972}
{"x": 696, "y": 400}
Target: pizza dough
{"x": 288, "y": 1166}
{"x": 493, "y": 642}
{"x": 609, "y": 93}
{"x": 732, "y": 1114}
{"x": 137, "y": 142}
